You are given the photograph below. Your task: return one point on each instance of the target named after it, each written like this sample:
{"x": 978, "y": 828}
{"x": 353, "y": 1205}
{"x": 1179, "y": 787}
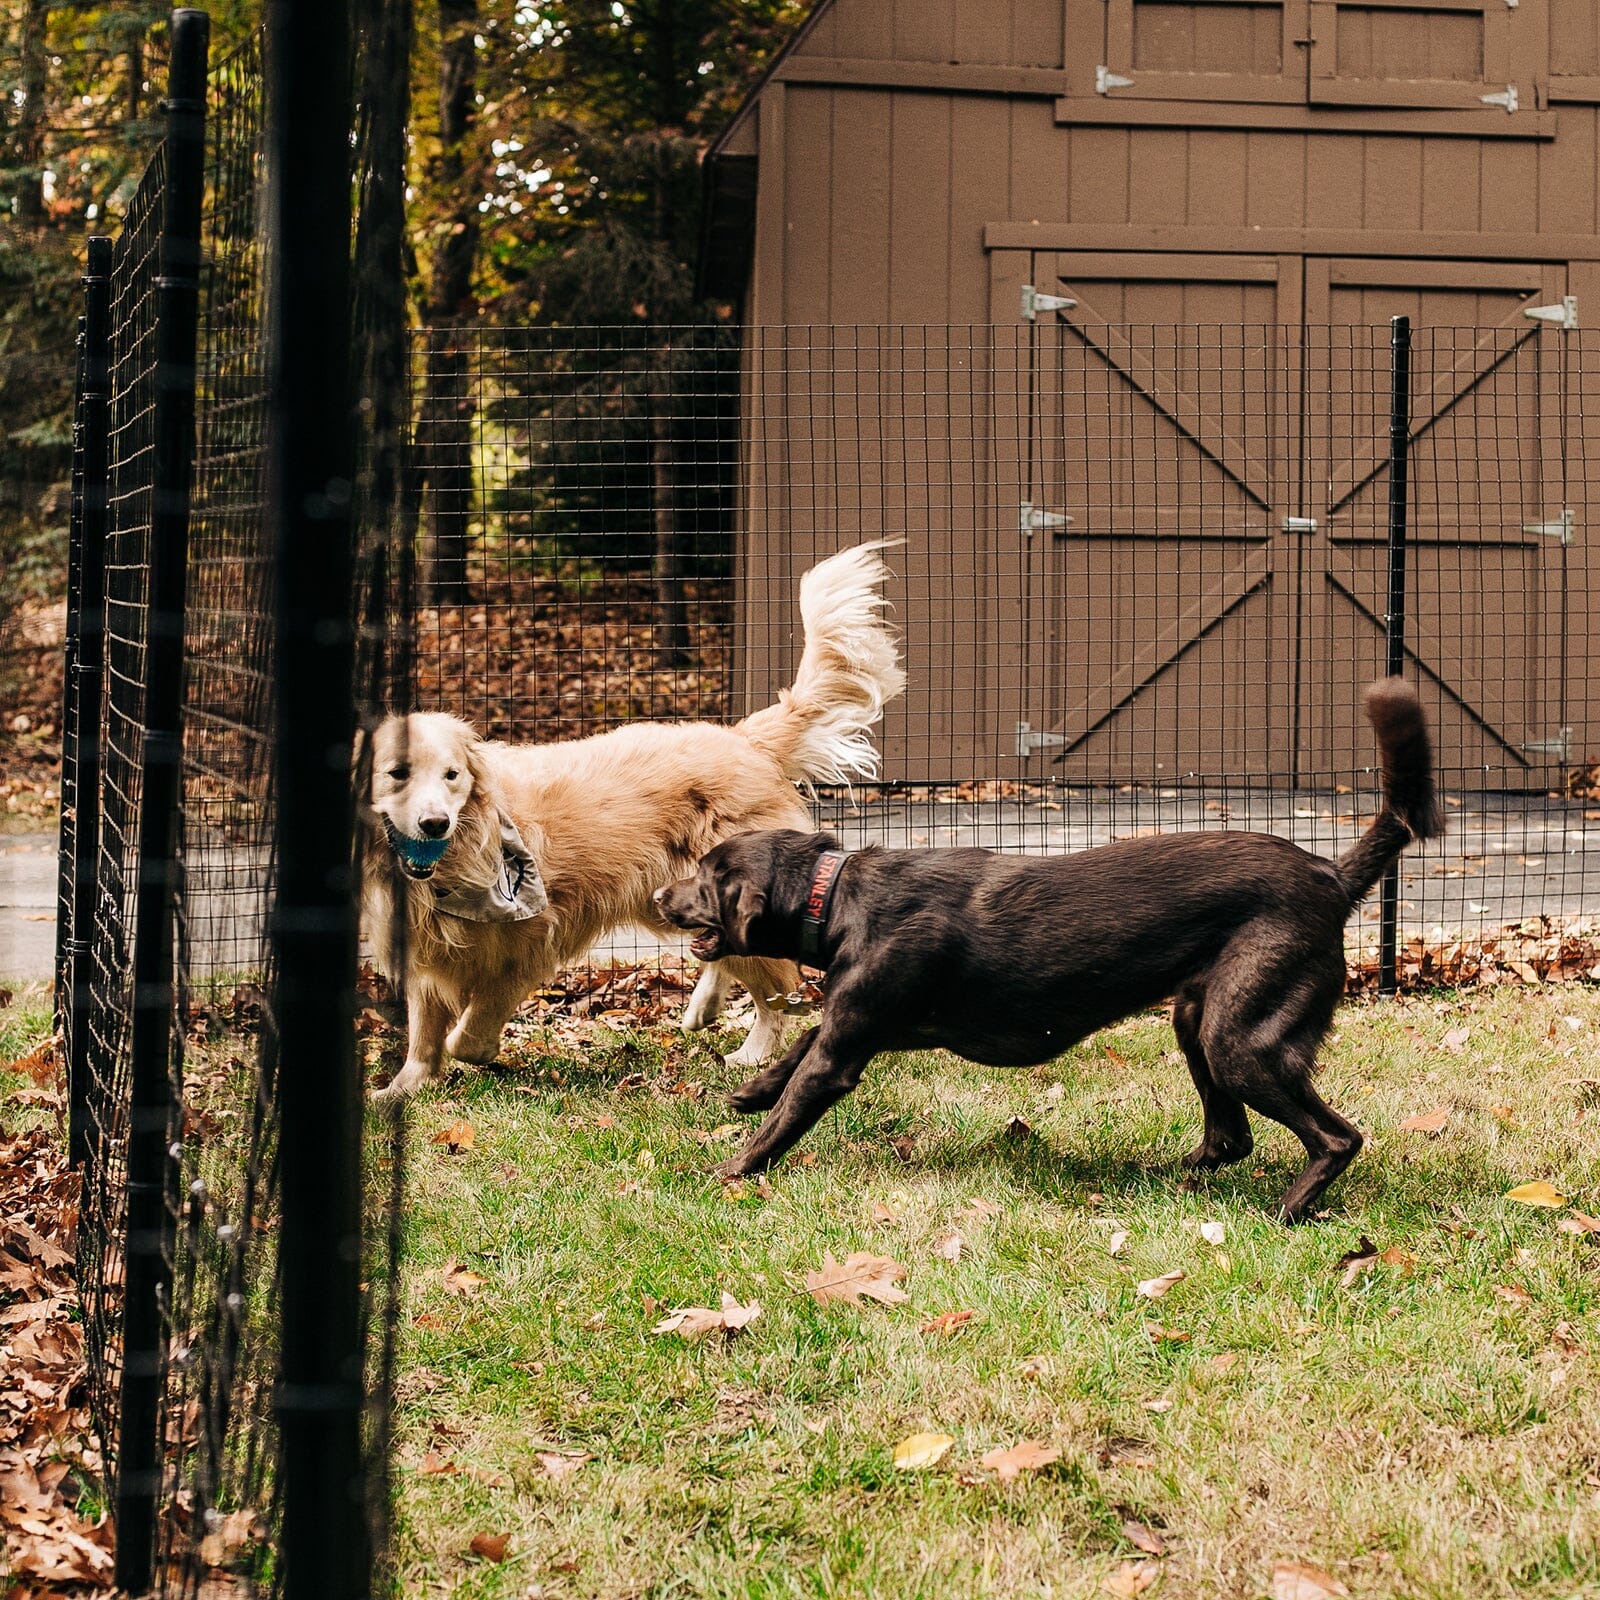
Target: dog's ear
{"x": 472, "y": 752}
{"x": 361, "y": 770}
{"x": 743, "y": 902}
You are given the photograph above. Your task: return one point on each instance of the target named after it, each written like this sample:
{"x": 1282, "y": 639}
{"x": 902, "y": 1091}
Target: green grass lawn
{"x": 1423, "y": 1424}
{"x": 1427, "y": 1425}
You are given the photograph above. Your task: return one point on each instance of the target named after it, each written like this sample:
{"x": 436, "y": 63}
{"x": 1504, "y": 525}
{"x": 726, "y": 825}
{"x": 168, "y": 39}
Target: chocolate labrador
{"x": 1009, "y": 960}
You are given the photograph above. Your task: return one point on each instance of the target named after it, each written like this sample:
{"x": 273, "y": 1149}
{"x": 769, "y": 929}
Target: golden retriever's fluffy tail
{"x": 820, "y": 729}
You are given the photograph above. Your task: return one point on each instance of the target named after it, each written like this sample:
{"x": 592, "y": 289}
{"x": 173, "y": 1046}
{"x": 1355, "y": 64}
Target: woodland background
{"x": 552, "y": 155}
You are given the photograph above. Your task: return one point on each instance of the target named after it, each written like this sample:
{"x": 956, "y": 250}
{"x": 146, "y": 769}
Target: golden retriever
{"x": 488, "y": 867}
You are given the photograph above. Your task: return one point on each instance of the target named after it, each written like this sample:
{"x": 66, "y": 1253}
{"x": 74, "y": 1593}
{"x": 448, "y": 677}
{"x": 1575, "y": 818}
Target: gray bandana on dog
{"x": 516, "y": 894}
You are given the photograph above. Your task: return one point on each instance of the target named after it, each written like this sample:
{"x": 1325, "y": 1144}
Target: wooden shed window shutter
{"x": 1481, "y": 55}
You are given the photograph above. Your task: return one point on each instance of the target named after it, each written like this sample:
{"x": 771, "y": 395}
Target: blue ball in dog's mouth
{"x": 418, "y": 856}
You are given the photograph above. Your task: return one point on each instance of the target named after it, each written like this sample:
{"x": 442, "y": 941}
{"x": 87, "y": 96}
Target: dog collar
{"x": 814, "y": 924}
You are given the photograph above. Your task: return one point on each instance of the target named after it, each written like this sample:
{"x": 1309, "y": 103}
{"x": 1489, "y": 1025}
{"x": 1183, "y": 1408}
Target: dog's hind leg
{"x": 710, "y": 994}
{"x": 764, "y": 1090}
{"x": 1226, "y": 1138}
{"x": 1262, "y": 1047}
{"x": 491, "y": 1005}
{"x": 769, "y": 982}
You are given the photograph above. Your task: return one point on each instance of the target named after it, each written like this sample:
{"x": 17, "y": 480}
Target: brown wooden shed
{"x": 1145, "y": 513}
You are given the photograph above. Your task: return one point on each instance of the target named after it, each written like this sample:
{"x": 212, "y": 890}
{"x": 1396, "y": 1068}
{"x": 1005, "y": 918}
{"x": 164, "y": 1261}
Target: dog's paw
{"x": 477, "y": 1052}
{"x": 746, "y": 1057}
{"x": 755, "y": 1096}
{"x": 700, "y": 1012}
{"x": 406, "y": 1081}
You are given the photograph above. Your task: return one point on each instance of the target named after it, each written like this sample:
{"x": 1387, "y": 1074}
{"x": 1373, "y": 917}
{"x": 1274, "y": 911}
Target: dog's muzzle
{"x": 418, "y": 857}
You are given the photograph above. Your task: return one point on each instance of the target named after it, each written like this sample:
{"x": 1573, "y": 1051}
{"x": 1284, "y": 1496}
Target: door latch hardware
{"x": 1028, "y": 740}
{"x": 1564, "y": 314}
{"x": 1560, "y": 746}
{"x": 1034, "y": 301}
{"x": 1035, "y": 517}
{"x": 1561, "y": 528}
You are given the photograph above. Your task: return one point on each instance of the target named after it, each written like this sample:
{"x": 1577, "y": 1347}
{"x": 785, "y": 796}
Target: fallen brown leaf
{"x": 922, "y": 1450}
{"x": 491, "y": 1546}
{"x": 1353, "y": 1263}
{"x": 458, "y": 1136}
{"x": 1132, "y": 1578}
{"x": 947, "y": 1322}
{"x": 1455, "y": 1040}
{"x": 1018, "y": 1128}
{"x": 1117, "y": 1240}
{"x": 1579, "y": 1222}
{"x": 458, "y": 1280}
{"x": 1429, "y": 1122}
{"x": 695, "y": 1322}
{"x": 1154, "y": 1288}
{"x": 860, "y": 1273}
{"x": 1144, "y": 1538}
{"x": 1160, "y": 1335}
{"x": 948, "y": 1246}
{"x": 1025, "y": 1457}
{"x": 559, "y": 1463}
{"x": 1394, "y": 1256}
{"x": 1293, "y": 1580}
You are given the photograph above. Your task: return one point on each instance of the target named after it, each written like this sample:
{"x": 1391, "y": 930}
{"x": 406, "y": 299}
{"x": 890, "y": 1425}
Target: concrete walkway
{"x": 1504, "y": 859}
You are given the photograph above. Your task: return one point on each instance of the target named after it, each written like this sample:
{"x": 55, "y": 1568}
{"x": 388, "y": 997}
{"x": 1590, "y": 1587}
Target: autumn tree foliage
{"x": 541, "y": 167}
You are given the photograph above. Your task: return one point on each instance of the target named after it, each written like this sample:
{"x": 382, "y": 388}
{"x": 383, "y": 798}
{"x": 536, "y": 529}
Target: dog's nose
{"x": 434, "y": 827}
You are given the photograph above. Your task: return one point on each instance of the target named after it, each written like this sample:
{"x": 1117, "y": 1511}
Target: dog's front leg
{"x": 769, "y": 983}
{"x": 491, "y": 1005}
{"x": 829, "y": 1070}
{"x": 427, "y": 1017}
{"x": 762, "y": 1092}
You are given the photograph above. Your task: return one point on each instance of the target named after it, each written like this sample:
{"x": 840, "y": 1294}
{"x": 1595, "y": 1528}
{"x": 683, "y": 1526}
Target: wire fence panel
{"x": 131, "y": 385}
{"x": 219, "y": 1489}
{"x": 1142, "y": 584}
{"x": 221, "y": 1502}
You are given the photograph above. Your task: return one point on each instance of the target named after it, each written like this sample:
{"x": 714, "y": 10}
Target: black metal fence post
{"x": 1394, "y": 622}
{"x": 152, "y": 1100}
{"x": 310, "y": 473}
{"x": 85, "y": 680}
{"x": 66, "y": 849}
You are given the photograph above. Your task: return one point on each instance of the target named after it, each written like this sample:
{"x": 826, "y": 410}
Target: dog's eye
{"x": 400, "y": 774}
{"x": 451, "y": 775}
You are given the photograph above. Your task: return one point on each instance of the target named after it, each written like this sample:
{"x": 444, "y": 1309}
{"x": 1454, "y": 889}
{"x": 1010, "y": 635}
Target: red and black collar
{"x": 814, "y": 924}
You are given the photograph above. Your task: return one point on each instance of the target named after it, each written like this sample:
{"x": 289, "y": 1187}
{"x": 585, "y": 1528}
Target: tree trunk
{"x": 30, "y": 115}
{"x": 670, "y": 557}
{"x": 672, "y": 616}
{"x": 449, "y": 405}
{"x": 384, "y": 34}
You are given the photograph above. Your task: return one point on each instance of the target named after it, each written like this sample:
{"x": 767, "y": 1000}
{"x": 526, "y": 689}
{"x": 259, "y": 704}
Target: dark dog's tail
{"x": 1410, "y": 809}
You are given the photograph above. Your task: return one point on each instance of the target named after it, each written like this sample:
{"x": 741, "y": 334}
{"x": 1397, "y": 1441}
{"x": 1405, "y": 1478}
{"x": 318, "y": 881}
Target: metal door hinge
{"x": 1299, "y": 524}
{"x": 1028, "y": 741}
{"x": 1560, "y": 746}
{"x": 1508, "y": 99}
{"x": 1033, "y": 302}
{"x": 1564, "y": 315}
{"x": 1034, "y": 517}
{"x": 1106, "y": 80}
{"x": 1561, "y": 528}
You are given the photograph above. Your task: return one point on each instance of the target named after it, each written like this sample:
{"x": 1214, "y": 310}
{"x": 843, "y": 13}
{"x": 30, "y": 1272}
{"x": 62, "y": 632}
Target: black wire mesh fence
{"x": 1143, "y": 582}
{"x": 191, "y": 1401}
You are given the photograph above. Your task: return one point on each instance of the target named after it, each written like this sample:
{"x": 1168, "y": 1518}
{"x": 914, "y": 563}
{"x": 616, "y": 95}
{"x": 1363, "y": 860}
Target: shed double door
{"x": 1206, "y": 563}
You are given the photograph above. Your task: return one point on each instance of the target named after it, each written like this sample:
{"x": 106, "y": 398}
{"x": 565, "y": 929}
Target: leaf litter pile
{"x": 49, "y": 1459}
